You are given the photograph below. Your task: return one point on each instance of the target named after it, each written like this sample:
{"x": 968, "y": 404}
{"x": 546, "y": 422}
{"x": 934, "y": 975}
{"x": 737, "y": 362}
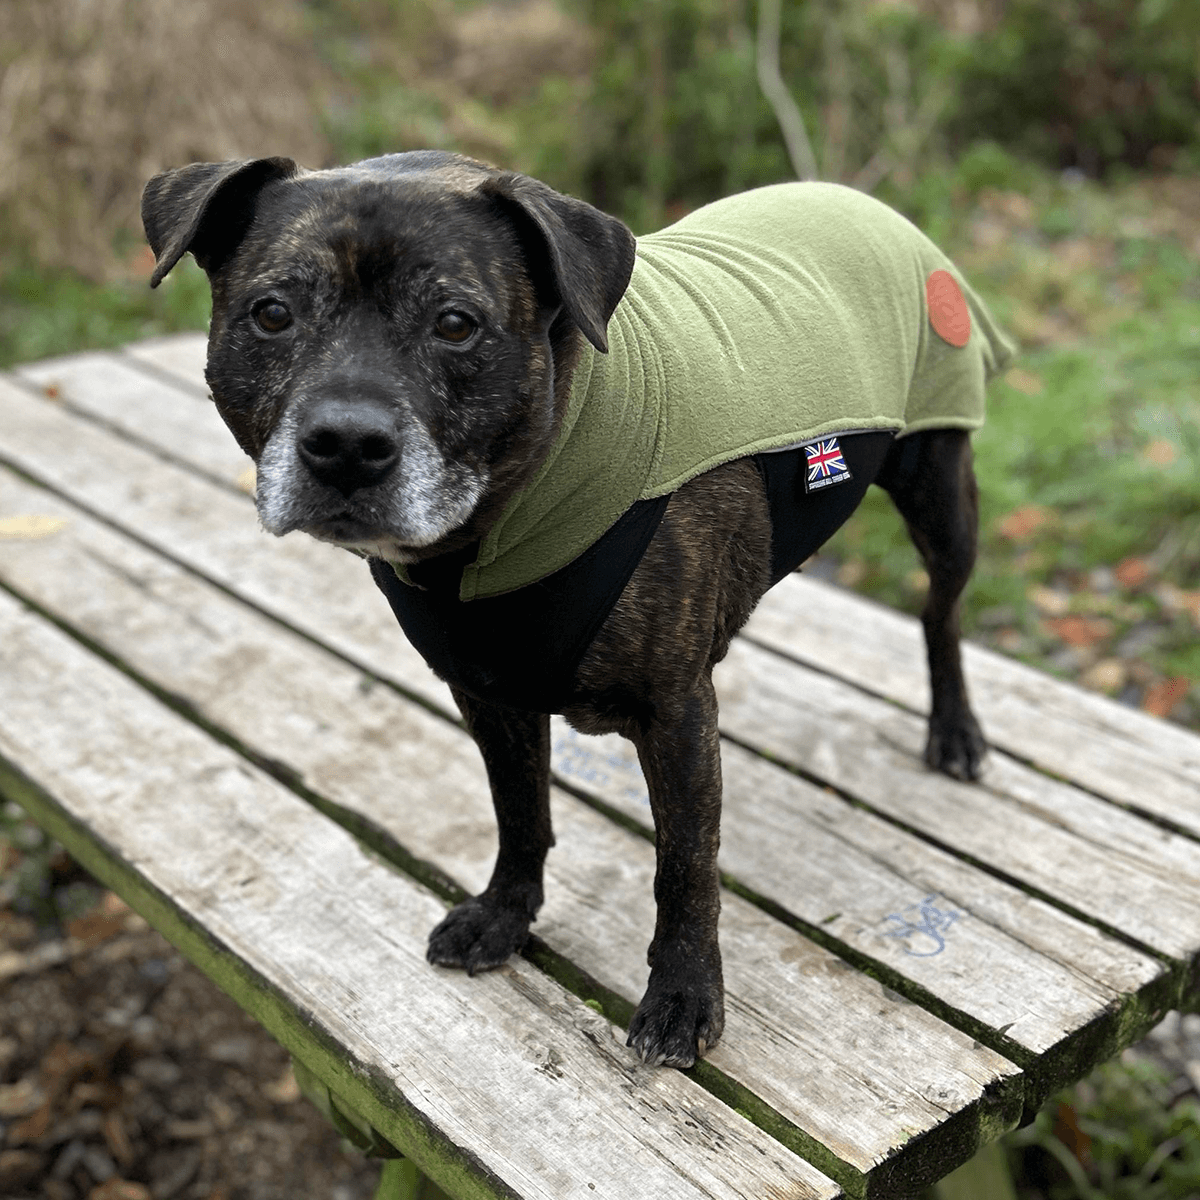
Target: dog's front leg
{"x": 484, "y": 931}
{"x": 683, "y": 1010}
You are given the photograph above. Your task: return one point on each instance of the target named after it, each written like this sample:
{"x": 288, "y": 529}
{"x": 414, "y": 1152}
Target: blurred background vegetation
{"x": 1051, "y": 146}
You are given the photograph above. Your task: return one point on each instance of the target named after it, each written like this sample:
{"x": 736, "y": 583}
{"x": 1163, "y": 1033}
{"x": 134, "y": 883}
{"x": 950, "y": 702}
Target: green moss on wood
{"x": 372, "y": 1098}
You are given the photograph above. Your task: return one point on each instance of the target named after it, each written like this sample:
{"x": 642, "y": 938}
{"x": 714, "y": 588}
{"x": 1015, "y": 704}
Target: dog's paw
{"x": 679, "y": 1018}
{"x": 479, "y": 934}
{"x": 956, "y": 747}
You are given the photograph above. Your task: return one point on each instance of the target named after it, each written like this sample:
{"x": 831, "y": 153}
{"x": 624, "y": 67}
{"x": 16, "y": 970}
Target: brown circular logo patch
{"x": 948, "y": 312}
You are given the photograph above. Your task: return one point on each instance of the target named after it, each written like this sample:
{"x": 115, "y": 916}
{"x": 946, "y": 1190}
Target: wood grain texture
{"x": 1115, "y": 751}
{"x": 526, "y": 1085}
{"x": 1119, "y": 753}
{"x": 143, "y": 408}
{"x": 182, "y": 355}
{"x": 1108, "y": 748}
{"x": 988, "y": 949}
{"x": 797, "y": 1015}
{"x": 317, "y": 588}
{"x": 1101, "y": 860}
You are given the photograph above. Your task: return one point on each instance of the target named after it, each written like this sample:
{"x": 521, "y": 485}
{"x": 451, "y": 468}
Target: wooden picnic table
{"x": 230, "y": 730}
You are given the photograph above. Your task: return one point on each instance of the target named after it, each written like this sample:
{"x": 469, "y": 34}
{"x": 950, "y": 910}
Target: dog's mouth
{"x": 351, "y": 532}
{"x": 344, "y": 527}
{"x": 365, "y": 537}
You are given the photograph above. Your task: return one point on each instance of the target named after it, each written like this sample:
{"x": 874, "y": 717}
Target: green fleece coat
{"x": 757, "y": 322}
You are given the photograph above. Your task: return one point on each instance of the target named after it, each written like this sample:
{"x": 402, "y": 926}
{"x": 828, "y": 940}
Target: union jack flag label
{"x": 826, "y": 464}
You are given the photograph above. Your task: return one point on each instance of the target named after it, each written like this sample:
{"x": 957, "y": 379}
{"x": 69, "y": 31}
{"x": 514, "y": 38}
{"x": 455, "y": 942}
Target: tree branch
{"x": 787, "y": 112}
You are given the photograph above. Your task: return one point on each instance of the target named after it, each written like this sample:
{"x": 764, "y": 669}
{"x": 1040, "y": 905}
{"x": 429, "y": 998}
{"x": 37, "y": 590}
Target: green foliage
{"x": 1087, "y": 83}
{"x": 676, "y": 116}
{"x": 45, "y": 312}
{"x": 1129, "y": 1140}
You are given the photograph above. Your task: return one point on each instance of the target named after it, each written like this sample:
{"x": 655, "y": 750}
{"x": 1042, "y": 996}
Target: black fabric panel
{"x": 802, "y": 521}
{"x": 520, "y": 649}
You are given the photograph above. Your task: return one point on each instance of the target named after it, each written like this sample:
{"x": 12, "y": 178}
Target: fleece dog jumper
{"x": 804, "y": 317}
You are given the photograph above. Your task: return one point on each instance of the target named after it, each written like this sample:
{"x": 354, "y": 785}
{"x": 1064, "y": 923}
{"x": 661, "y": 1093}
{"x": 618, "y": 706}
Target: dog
{"x": 498, "y": 397}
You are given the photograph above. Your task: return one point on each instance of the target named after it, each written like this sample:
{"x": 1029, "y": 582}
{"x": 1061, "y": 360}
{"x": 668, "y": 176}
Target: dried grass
{"x": 98, "y": 95}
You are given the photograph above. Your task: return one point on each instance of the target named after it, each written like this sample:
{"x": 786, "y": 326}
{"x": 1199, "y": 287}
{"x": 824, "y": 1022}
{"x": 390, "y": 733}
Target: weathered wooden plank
{"x": 181, "y": 355}
{"x": 796, "y": 1013}
{"x": 1114, "y": 751}
{"x": 1063, "y": 992}
{"x": 319, "y": 589}
{"x": 310, "y": 587}
{"x": 502, "y": 1085}
{"x": 1133, "y": 876}
{"x": 144, "y": 408}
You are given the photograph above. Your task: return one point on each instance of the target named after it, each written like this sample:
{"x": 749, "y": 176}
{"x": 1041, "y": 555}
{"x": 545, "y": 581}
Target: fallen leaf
{"x": 95, "y": 927}
{"x": 284, "y": 1090}
{"x": 117, "y": 1137}
{"x": 32, "y": 1128}
{"x": 1162, "y": 698}
{"x": 18, "y": 1167}
{"x": 1175, "y": 600}
{"x": 110, "y": 902}
{"x": 1050, "y": 601}
{"x": 52, "y": 391}
{"x": 1080, "y": 631}
{"x": 63, "y": 1064}
{"x": 1132, "y": 572}
{"x": 1068, "y": 1131}
{"x": 1022, "y": 523}
{"x": 141, "y": 263}
{"x": 1025, "y": 382}
{"x": 21, "y": 1098}
{"x": 1107, "y": 675}
{"x": 29, "y": 526}
{"x": 1160, "y": 452}
{"x": 120, "y": 1189}
{"x": 186, "y": 1131}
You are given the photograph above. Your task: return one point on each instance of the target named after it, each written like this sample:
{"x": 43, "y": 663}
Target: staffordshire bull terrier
{"x": 575, "y": 462}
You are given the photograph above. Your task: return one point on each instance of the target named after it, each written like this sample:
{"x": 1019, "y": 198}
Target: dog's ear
{"x": 205, "y": 208}
{"x": 589, "y": 254}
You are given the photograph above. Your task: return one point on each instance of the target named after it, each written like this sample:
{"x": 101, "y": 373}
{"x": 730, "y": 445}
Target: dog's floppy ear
{"x": 590, "y": 254}
{"x": 205, "y": 208}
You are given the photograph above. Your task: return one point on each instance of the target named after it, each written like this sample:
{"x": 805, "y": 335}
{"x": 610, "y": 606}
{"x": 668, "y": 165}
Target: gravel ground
{"x": 125, "y": 1074}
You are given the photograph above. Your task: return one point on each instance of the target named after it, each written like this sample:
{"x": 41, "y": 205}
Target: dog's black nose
{"x": 348, "y": 444}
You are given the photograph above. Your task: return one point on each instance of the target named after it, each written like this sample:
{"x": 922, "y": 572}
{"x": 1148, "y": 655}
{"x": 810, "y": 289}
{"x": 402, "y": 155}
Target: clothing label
{"x": 826, "y": 464}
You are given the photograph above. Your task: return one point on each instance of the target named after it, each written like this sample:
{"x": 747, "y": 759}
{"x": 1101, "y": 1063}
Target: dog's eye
{"x": 454, "y": 326}
{"x": 272, "y": 316}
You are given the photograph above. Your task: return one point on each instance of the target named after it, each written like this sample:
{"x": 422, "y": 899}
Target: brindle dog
{"x": 427, "y": 312}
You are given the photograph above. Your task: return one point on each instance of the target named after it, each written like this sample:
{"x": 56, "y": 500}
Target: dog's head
{"x": 391, "y": 342}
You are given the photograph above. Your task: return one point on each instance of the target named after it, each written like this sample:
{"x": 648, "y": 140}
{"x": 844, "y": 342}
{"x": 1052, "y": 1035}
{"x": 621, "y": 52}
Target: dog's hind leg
{"x": 487, "y": 929}
{"x": 931, "y": 480}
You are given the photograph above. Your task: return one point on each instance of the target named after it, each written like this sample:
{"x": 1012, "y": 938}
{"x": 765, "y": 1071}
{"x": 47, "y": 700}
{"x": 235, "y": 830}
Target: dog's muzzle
{"x": 363, "y": 473}
{"x": 348, "y": 445}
